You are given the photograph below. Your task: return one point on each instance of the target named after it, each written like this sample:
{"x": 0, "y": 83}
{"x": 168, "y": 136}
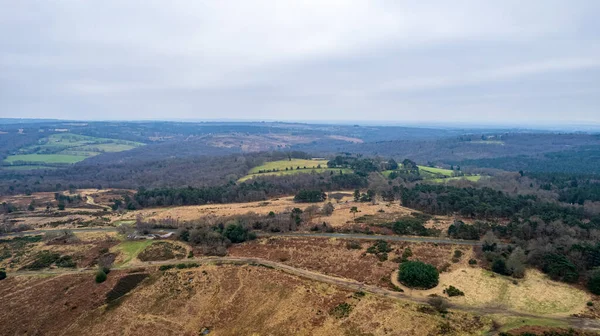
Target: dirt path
{"x": 580, "y": 323}
{"x": 417, "y": 239}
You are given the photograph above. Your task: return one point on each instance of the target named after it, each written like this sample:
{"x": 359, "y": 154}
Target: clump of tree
{"x": 417, "y": 274}
{"x": 214, "y": 240}
{"x": 411, "y": 225}
{"x": 310, "y": 196}
{"x": 2, "y": 274}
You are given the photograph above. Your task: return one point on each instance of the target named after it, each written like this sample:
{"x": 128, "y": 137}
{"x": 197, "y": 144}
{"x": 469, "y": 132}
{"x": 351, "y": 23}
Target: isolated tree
{"x": 438, "y": 303}
{"x": 100, "y": 276}
{"x": 516, "y": 263}
{"x": 354, "y": 210}
{"x": 356, "y": 195}
{"x": 327, "y": 209}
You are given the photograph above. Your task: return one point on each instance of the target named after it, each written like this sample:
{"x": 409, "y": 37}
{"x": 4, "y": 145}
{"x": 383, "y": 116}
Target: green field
{"x": 45, "y": 158}
{"x": 472, "y": 178}
{"x": 66, "y": 148}
{"x": 440, "y": 171}
{"x": 279, "y": 168}
{"x": 290, "y": 164}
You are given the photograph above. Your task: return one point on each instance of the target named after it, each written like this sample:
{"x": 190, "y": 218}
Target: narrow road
{"x": 580, "y": 323}
{"x": 392, "y": 238}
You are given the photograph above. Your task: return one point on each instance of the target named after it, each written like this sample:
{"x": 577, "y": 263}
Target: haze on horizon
{"x": 506, "y": 62}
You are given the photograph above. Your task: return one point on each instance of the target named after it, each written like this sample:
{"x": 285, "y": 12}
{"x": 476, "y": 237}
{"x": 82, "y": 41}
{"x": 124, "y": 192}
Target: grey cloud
{"x": 505, "y": 61}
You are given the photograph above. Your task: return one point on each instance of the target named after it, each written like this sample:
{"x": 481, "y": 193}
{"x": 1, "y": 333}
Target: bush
{"x": 453, "y": 291}
{"x": 438, "y": 303}
{"x": 2, "y": 274}
{"x": 237, "y": 233}
{"x": 472, "y": 262}
{"x": 593, "y": 283}
{"x": 341, "y": 310}
{"x": 590, "y": 304}
{"x": 417, "y": 274}
{"x": 499, "y": 266}
{"x": 353, "y": 245}
{"x": 100, "y": 277}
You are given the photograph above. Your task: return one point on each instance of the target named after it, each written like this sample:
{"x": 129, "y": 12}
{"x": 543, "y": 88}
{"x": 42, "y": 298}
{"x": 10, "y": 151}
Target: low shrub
{"x": 438, "y": 303}
{"x": 100, "y": 277}
{"x": 472, "y": 262}
{"x": 342, "y": 310}
{"x": 453, "y": 291}
{"x": 2, "y": 274}
{"x": 353, "y": 245}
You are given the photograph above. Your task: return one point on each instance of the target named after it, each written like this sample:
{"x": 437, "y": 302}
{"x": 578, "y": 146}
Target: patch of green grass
{"x": 440, "y": 171}
{"x": 26, "y": 167}
{"x": 45, "y": 158}
{"x": 67, "y": 148}
{"x": 278, "y": 168}
{"x": 293, "y": 172}
{"x": 472, "y": 178}
{"x": 294, "y": 163}
{"x": 130, "y": 249}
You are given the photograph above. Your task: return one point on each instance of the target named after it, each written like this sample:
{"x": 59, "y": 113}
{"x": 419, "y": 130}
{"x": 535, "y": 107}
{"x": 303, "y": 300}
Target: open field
{"x": 226, "y": 300}
{"x": 341, "y": 217}
{"x": 67, "y": 148}
{"x": 128, "y": 250}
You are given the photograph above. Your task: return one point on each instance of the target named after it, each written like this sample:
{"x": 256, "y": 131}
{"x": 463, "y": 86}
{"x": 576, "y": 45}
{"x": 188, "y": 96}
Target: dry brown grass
{"x": 332, "y": 257}
{"x": 341, "y": 216}
{"x": 229, "y": 300}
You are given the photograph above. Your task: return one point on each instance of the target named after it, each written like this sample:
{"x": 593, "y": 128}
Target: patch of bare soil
{"x": 162, "y": 251}
{"x": 336, "y": 257}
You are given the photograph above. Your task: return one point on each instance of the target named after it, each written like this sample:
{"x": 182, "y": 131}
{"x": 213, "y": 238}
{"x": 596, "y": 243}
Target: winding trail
{"x": 580, "y": 323}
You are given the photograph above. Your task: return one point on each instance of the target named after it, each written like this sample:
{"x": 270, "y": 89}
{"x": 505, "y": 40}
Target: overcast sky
{"x": 501, "y": 61}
